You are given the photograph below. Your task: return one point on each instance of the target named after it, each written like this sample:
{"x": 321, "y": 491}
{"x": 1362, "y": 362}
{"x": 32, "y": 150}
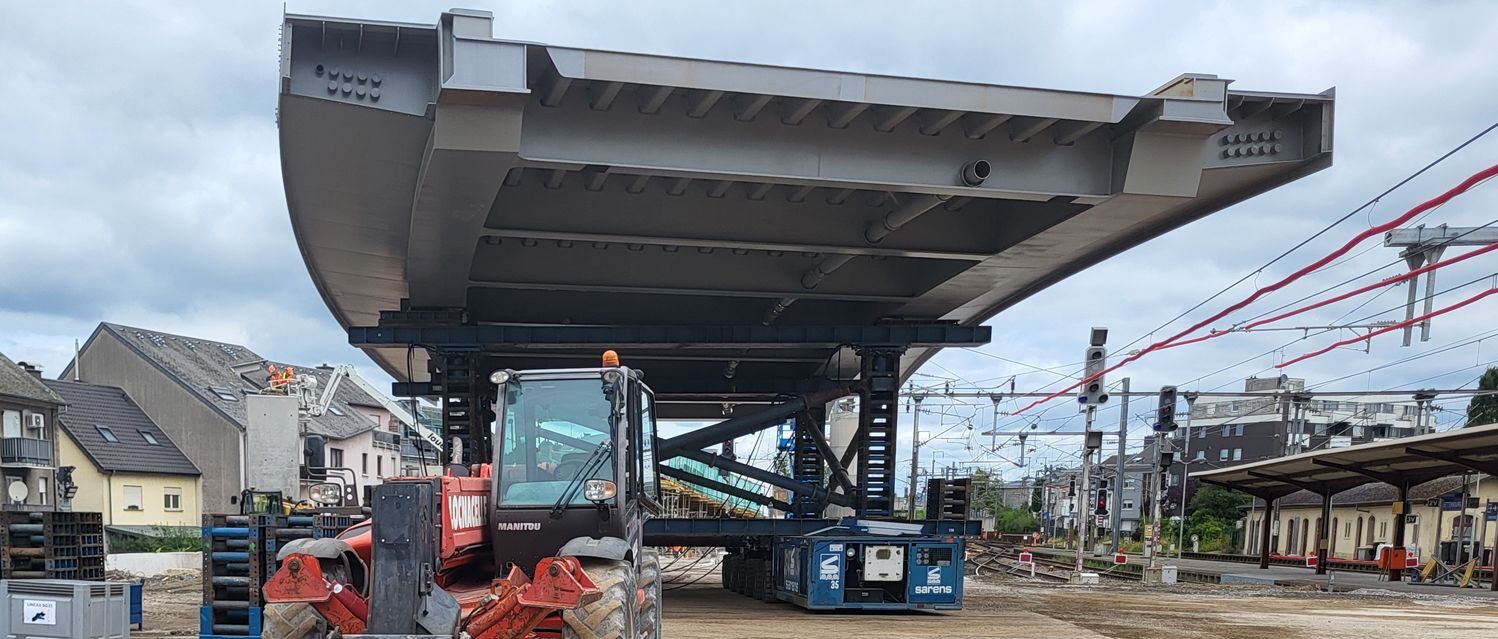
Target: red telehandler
{"x": 544, "y": 540}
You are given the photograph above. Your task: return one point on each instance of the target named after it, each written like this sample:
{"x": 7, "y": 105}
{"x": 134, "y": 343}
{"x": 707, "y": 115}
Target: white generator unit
{"x": 884, "y": 563}
{"x": 64, "y": 609}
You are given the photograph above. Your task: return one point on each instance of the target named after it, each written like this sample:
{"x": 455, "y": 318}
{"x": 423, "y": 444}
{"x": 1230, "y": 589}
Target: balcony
{"x": 26, "y": 451}
{"x": 383, "y": 439}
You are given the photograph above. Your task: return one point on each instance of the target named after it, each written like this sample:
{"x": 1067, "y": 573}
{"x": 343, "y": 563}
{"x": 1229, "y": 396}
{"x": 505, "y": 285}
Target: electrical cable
{"x": 1474, "y": 179}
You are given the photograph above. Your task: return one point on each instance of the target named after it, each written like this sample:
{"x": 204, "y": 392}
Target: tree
{"x": 1214, "y": 511}
{"x": 1015, "y": 520}
{"x": 1484, "y": 408}
{"x": 1216, "y": 502}
{"x": 986, "y": 492}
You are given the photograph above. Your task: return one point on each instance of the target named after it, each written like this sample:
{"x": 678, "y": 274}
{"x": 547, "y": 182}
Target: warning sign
{"x": 39, "y": 612}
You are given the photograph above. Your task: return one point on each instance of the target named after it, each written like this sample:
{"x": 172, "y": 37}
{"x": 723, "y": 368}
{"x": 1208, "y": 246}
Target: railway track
{"x": 1059, "y": 564}
{"x": 1004, "y": 557}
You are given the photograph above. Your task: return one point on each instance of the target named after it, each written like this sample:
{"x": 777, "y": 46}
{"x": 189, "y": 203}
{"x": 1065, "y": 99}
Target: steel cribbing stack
{"x": 239, "y": 555}
{"x": 52, "y": 545}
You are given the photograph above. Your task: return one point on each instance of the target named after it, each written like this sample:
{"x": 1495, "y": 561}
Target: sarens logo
{"x": 465, "y": 511}
{"x": 518, "y": 525}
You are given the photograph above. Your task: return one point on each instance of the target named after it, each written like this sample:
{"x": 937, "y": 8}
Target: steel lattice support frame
{"x": 465, "y": 401}
{"x": 806, "y": 458}
{"x": 878, "y": 420}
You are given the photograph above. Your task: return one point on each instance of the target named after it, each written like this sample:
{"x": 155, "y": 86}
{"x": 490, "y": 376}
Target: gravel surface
{"x": 1001, "y": 606}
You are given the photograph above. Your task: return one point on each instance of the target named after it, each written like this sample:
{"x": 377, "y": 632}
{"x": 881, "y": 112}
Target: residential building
{"x": 418, "y": 456}
{"x": 194, "y": 390}
{"x": 1061, "y": 493}
{"x": 1230, "y": 430}
{"x": 124, "y": 465}
{"x": 28, "y": 443}
{"x": 1138, "y": 482}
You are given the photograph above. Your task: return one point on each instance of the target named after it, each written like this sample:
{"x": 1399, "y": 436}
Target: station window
{"x": 1128, "y": 504}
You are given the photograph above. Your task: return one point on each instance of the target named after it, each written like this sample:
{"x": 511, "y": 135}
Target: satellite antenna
{"x": 17, "y": 492}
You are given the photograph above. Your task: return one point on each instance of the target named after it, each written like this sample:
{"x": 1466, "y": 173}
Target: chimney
{"x": 36, "y": 371}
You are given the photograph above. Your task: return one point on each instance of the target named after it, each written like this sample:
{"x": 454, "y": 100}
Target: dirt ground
{"x": 1012, "y": 607}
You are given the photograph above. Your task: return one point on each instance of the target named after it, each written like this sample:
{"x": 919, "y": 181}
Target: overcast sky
{"x": 140, "y": 179}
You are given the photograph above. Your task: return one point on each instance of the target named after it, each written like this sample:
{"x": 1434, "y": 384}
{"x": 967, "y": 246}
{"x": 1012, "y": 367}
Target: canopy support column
{"x": 1264, "y": 534}
{"x": 1323, "y": 539}
{"x": 1401, "y": 507}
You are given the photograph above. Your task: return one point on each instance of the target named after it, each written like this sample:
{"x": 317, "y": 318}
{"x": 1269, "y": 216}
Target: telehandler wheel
{"x": 648, "y": 621}
{"x": 292, "y": 621}
{"x": 613, "y": 615}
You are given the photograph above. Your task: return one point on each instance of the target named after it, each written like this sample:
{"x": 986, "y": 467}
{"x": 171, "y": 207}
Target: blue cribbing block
{"x": 240, "y": 533}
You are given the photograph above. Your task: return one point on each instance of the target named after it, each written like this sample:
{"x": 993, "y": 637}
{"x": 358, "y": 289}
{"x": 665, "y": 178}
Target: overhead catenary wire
{"x": 1388, "y": 281}
{"x": 1395, "y": 326}
{"x": 1454, "y": 191}
{"x": 1365, "y": 206}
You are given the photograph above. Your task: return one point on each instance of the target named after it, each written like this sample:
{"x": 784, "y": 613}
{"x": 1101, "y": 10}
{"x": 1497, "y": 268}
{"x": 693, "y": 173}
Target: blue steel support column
{"x": 878, "y": 414}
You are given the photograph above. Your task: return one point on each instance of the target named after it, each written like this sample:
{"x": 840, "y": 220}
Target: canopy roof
{"x": 1408, "y": 461}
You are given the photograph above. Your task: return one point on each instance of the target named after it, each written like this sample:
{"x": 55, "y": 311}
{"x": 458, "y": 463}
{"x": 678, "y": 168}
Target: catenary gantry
{"x": 766, "y": 223}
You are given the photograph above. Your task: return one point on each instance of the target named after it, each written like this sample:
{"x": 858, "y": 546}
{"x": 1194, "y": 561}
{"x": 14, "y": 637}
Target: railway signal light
{"x": 1165, "y": 415}
{"x": 1102, "y": 501}
{"x": 1094, "y": 392}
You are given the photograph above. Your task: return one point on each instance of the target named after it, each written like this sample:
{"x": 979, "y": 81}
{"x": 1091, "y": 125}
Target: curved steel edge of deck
{"x": 539, "y": 185}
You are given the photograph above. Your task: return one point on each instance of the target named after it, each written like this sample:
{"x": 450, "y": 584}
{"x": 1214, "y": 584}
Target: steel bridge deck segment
{"x": 543, "y": 186}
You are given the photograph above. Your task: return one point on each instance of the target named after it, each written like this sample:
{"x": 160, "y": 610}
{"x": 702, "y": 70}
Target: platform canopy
{"x": 1407, "y": 461}
{"x": 434, "y": 166}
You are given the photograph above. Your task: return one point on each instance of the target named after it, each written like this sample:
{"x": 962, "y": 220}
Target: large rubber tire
{"x": 613, "y": 615}
{"x": 648, "y": 621}
{"x": 292, "y": 621}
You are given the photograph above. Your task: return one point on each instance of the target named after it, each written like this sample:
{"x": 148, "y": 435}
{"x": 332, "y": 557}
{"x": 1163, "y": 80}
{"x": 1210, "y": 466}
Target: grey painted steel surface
{"x": 534, "y": 184}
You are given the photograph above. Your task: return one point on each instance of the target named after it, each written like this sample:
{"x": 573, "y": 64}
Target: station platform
{"x": 1280, "y": 575}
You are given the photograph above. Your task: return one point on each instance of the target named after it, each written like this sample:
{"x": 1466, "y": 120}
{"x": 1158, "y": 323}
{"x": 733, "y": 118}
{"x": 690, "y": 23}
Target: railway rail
{"x": 1058, "y": 563}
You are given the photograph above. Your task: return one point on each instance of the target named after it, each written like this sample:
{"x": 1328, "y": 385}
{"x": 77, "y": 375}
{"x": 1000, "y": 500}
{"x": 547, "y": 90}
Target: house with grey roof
{"x": 28, "y": 447}
{"x": 195, "y": 390}
{"x": 124, "y": 465}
